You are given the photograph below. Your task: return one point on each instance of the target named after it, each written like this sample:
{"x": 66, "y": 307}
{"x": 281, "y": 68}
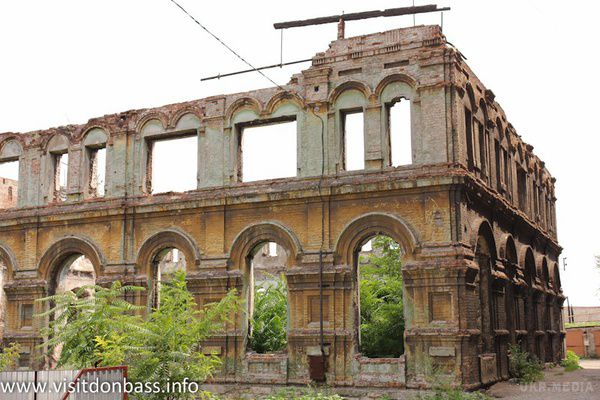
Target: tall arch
{"x": 155, "y": 245}
{"x": 485, "y": 257}
{"x": 244, "y": 257}
{"x": 64, "y": 248}
{"x": 246, "y": 241}
{"x": 365, "y": 226}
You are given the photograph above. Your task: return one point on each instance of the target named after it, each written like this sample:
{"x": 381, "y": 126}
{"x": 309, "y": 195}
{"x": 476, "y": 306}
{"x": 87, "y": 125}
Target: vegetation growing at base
{"x": 269, "y": 320}
{"x": 9, "y": 357}
{"x": 381, "y": 303}
{"x": 303, "y": 394}
{"x": 571, "y": 362}
{"x": 102, "y": 329}
{"x": 524, "y": 367}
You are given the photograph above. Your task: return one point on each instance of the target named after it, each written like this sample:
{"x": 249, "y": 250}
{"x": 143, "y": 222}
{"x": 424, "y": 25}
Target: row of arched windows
{"x": 497, "y": 156}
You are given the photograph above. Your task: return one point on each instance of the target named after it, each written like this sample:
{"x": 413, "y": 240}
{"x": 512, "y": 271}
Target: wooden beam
{"x": 390, "y": 12}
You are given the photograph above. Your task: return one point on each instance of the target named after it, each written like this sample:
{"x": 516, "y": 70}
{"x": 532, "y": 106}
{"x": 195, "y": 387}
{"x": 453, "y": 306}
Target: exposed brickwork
{"x": 474, "y": 213}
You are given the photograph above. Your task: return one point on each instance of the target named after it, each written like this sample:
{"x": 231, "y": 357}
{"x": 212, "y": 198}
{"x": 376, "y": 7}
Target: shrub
{"x": 269, "y": 320}
{"x": 571, "y": 362}
{"x": 453, "y": 394}
{"x": 302, "y": 394}
{"x": 9, "y": 357}
{"x": 381, "y": 306}
{"x": 524, "y": 367}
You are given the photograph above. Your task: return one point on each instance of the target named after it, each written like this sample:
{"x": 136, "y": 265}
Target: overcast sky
{"x": 64, "y": 61}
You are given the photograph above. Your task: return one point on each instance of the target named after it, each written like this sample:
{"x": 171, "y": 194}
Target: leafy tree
{"x": 9, "y": 357}
{"x": 381, "y": 307}
{"x": 269, "y": 320}
{"x": 170, "y": 340}
{"x": 83, "y": 322}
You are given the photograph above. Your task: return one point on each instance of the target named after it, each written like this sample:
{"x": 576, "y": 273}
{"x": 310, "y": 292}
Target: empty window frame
{"x": 353, "y": 134}
{"x": 267, "y": 150}
{"x": 173, "y": 164}
{"x": 400, "y": 133}
{"x": 61, "y": 175}
{"x": 97, "y": 171}
{"x": 9, "y": 183}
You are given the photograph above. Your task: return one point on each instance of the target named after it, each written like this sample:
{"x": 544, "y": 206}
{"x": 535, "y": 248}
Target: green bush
{"x": 381, "y": 306}
{"x": 302, "y": 394}
{"x": 269, "y": 320}
{"x": 9, "y": 357}
{"x": 571, "y": 362}
{"x": 524, "y": 367}
{"x": 453, "y": 394}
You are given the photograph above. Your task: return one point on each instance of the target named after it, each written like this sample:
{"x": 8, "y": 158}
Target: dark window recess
{"x": 350, "y": 71}
{"x": 498, "y": 166}
{"x": 469, "y": 133}
{"x": 395, "y": 64}
{"x": 26, "y": 315}
{"x": 522, "y": 188}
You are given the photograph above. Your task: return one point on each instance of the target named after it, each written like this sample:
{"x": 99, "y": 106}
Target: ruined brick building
{"x": 473, "y": 209}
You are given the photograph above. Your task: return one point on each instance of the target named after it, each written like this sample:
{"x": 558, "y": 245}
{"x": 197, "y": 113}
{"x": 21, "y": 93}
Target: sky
{"x": 65, "y": 61}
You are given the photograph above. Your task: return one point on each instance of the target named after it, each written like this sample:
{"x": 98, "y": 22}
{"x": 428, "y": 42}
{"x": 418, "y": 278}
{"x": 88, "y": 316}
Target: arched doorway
{"x": 165, "y": 264}
{"x": 72, "y": 273}
{"x": 267, "y": 294}
{"x": 380, "y": 293}
{"x": 531, "y": 308}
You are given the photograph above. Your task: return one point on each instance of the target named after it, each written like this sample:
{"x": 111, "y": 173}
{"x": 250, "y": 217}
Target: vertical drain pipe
{"x": 321, "y": 333}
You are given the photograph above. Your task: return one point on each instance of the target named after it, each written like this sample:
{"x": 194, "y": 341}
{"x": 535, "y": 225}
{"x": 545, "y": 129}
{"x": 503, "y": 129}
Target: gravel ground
{"x": 557, "y": 385}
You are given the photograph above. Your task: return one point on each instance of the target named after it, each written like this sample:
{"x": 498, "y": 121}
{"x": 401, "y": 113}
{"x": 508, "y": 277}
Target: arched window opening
{"x": 380, "y": 294}
{"x": 400, "y": 133}
{"x": 166, "y": 263}
{"x": 268, "y": 305}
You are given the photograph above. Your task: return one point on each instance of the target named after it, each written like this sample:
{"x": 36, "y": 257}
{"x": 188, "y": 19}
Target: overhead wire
{"x": 224, "y": 44}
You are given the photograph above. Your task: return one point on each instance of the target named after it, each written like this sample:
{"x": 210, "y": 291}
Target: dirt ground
{"x": 557, "y": 385}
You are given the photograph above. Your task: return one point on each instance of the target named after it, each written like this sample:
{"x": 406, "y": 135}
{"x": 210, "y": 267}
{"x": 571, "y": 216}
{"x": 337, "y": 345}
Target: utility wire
{"x": 224, "y": 44}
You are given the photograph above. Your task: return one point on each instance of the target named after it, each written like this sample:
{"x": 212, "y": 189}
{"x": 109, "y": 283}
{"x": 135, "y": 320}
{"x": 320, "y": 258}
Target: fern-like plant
{"x": 269, "y": 320}
{"x": 169, "y": 345}
{"x": 80, "y": 322}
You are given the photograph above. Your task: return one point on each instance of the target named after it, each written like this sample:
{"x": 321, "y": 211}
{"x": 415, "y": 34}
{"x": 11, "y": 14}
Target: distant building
{"x": 8, "y": 193}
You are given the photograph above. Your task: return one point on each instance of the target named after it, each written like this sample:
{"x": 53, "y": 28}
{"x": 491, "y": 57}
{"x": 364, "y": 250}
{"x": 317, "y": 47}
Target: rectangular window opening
{"x": 61, "y": 174}
{"x": 97, "y": 171}
{"x": 9, "y": 183}
{"x": 268, "y": 151}
{"x": 173, "y": 164}
{"x": 26, "y": 315}
{"x": 399, "y": 127}
{"x": 354, "y": 141}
